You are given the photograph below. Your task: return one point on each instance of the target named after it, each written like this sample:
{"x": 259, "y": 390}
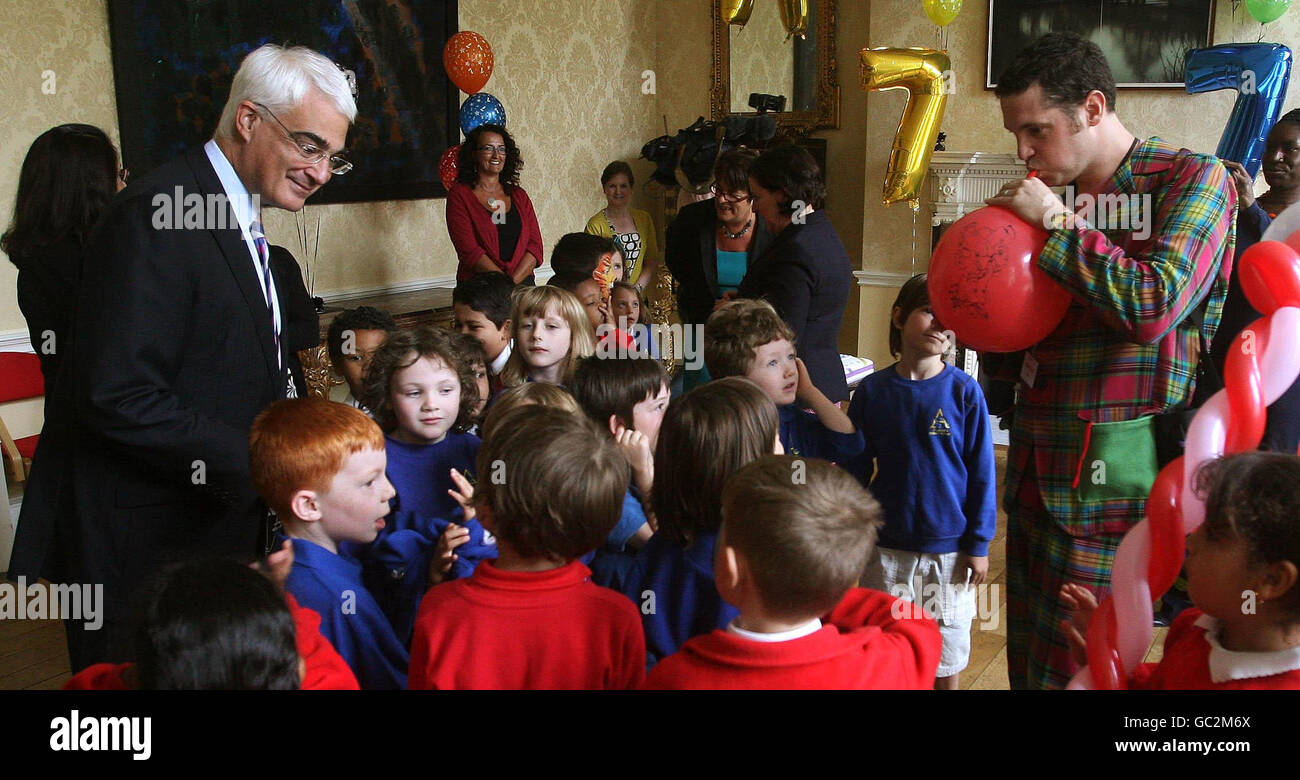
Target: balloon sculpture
{"x": 1264, "y": 362}
{"x": 941, "y": 12}
{"x": 985, "y": 283}
{"x": 468, "y": 60}
{"x": 922, "y": 72}
{"x": 1259, "y": 72}
{"x": 447, "y": 166}
{"x": 481, "y": 109}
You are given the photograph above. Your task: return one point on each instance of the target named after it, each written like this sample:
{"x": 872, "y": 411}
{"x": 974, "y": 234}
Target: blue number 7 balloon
{"x": 1259, "y": 72}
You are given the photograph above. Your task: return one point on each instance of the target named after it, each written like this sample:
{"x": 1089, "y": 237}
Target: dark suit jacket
{"x": 172, "y": 356}
{"x": 691, "y": 243}
{"x": 806, "y": 276}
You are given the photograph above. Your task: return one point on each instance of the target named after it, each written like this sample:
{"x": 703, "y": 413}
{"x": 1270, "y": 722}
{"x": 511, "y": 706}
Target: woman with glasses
{"x": 632, "y": 229}
{"x": 711, "y": 244}
{"x": 805, "y": 274}
{"x": 489, "y": 216}
{"x": 70, "y": 174}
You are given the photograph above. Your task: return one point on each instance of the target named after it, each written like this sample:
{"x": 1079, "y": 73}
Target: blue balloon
{"x": 481, "y": 109}
{"x": 1259, "y": 72}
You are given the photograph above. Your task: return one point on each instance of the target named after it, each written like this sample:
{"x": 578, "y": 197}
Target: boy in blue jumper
{"x": 626, "y": 397}
{"x": 927, "y": 429}
{"x": 748, "y": 338}
{"x": 320, "y": 466}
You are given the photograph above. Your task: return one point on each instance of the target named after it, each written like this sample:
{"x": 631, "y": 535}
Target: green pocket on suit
{"x": 1118, "y": 461}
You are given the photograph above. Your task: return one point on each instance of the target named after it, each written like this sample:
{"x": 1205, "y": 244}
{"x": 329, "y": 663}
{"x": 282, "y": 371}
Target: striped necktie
{"x": 264, "y": 258}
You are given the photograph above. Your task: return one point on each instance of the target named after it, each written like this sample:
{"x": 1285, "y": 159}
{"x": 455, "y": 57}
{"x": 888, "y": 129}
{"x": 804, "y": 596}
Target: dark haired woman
{"x": 489, "y": 216}
{"x": 711, "y": 244}
{"x": 68, "y": 177}
{"x": 805, "y": 274}
{"x": 633, "y": 229}
{"x": 1281, "y": 169}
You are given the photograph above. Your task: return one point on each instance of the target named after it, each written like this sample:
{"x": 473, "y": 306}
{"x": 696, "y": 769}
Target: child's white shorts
{"x": 901, "y": 573}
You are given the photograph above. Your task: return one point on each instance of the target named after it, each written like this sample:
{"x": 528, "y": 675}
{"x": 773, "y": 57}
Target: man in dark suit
{"x": 179, "y": 341}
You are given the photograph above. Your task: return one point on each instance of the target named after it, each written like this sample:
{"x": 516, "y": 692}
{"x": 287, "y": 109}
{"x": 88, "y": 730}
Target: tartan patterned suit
{"x": 1123, "y": 350}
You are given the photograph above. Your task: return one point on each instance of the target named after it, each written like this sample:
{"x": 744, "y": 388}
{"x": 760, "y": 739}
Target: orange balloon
{"x": 468, "y": 60}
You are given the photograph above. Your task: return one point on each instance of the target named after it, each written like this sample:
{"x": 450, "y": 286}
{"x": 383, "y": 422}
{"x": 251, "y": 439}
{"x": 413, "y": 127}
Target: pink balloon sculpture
{"x": 1264, "y": 363}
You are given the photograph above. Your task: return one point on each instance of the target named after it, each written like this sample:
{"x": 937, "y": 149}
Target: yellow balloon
{"x": 923, "y": 73}
{"x": 794, "y": 15}
{"x": 737, "y": 11}
{"x": 941, "y": 12}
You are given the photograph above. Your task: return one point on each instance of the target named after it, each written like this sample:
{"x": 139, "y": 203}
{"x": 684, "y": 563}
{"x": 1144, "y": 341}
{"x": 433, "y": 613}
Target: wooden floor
{"x": 33, "y": 653}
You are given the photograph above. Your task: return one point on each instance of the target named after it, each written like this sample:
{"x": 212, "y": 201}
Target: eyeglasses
{"x": 729, "y": 196}
{"x": 492, "y": 149}
{"x": 310, "y": 151}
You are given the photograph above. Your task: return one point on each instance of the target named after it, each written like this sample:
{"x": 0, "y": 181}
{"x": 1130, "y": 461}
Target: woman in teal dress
{"x": 709, "y": 246}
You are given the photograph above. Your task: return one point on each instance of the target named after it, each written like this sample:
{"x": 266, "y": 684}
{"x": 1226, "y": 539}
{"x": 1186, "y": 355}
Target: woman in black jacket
{"x": 70, "y": 174}
{"x": 711, "y": 245}
{"x": 805, "y": 274}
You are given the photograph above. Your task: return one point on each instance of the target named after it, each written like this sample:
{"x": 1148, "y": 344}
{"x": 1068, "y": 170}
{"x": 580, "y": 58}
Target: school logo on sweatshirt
{"x": 939, "y": 425}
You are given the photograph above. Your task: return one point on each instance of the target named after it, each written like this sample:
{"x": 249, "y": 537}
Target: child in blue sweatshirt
{"x": 927, "y": 431}
{"x": 319, "y": 465}
{"x": 707, "y": 435}
{"x": 748, "y": 338}
{"x": 626, "y": 397}
{"x": 422, "y": 394}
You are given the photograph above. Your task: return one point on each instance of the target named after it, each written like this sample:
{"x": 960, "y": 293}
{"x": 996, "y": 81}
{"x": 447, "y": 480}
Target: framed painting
{"x": 173, "y": 63}
{"x": 1144, "y": 40}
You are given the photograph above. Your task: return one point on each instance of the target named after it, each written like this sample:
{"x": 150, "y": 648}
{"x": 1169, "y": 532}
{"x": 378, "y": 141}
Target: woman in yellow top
{"x": 632, "y": 229}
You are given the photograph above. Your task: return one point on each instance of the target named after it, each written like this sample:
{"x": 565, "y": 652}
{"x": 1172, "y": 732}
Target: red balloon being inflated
{"x": 985, "y": 284}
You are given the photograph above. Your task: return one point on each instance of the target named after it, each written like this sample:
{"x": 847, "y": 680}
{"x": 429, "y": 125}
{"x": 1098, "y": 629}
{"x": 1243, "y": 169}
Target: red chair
{"x": 20, "y": 378}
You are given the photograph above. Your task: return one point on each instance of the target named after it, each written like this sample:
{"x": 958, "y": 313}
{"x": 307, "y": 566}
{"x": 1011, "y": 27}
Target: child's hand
{"x": 466, "y": 495}
{"x": 278, "y": 564}
{"x": 444, "y": 554}
{"x": 805, "y": 382}
{"x": 972, "y": 566}
{"x": 727, "y": 297}
{"x": 636, "y": 450}
{"x": 1080, "y": 599}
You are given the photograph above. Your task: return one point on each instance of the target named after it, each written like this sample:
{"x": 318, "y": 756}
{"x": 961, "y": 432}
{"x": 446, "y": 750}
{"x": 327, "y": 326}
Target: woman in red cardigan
{"x": 489, "y": 216}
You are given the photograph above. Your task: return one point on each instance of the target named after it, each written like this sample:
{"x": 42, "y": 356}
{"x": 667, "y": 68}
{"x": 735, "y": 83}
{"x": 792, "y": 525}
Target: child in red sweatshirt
{"x": 796, "y": 533}
{"x": 550, "y": 489}
{"x": 1242, "y": 564}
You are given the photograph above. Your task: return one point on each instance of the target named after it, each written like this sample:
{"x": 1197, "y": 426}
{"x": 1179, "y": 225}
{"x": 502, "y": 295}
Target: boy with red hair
{"x": 320, "y": 465}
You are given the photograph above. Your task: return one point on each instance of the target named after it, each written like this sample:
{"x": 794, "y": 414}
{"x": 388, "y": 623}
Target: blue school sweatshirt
{"x": 802, "y": 433}
{"x": 676, "y": 594}
{"x": 933, "y": 448}
{"x": 350, "y": 618}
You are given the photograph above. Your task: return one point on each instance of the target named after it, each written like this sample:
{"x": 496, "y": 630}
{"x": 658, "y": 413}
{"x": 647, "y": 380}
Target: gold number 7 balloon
{"x": 924, "y": 74}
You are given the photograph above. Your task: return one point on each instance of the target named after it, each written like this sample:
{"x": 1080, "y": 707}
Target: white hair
{"x": 279, "y": 78}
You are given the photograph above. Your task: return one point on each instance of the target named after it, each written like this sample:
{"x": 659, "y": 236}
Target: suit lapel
{"x": 235, "y": 251}
{"x": 709, "y": 251}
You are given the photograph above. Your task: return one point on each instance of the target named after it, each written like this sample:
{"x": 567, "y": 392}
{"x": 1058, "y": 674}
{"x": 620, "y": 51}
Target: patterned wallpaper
{"x": 568, "y": 73}
{"x": 762, "y": 60}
